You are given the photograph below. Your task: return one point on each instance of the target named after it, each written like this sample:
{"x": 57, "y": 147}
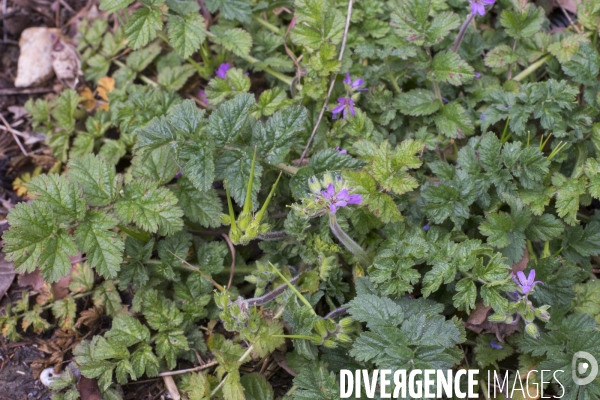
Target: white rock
{"x": 35, "y": 60}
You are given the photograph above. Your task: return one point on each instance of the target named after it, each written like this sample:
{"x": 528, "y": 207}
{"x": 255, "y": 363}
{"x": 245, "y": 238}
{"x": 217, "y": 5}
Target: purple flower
{"x": 478, "y": 6}
{"x": 482, "y": 116}
{"x": 477, "y": 75}
{"x": 346, "y": 103}
{"x": 222, "y": 70}
{"x": 339, "y": 199}
{"x": 495, "y": 345}
{"x": 526, "y": 284}
{"x": 426, "y": 227}
{"x": 341, "y": 151}
{"x": 202, "y": 97}
{"x": 353, "y": 85}
{"x": 177, "y": 175}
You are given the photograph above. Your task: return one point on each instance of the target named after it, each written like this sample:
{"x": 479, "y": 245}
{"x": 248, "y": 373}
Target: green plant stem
{"x": 286, "y": 168}
{"x": 143, "y": 78}
{"x": 532, "y": 68}
{"x": 305, "y": 337}
{"x": 438, "y": 94}
{"x": 509, "y": 73}
{"x": 293, "y": 289}
{"x": 391, "y": 77}
{"x": 484, "y": 389}
{"x": 266, "y": 24}
{"x": 136, "y": 235}
{"x": 362, "y": 257}
{"x": 461, "y": 32}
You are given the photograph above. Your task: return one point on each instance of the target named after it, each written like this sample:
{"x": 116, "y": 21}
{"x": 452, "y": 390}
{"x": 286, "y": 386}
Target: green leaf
{"x": 390, "y": 168}
{"x": 65, "y": 310}
{"x": 103, "y": 248}
{"x": 256, "y": 387}
{"x": 228, "y": 121}
{"x": 142, "y": 26}
{"x": 275, "y": 138}
{"x": 105, "y": 349}
{"x": 544, "y": 228}
{"x": 316, "y": 383}
{"x": 453, "y": 121}
{"x": 158, "y": 165}
{"x": 34, "y": 240}
{"x": 111, "y": 6}
{"x": 199, "y": 165}
{"x": 95, "y": 177}
{"x": 567, "y": 47}
{"x": 183, "y": 6}
{"x": 235, "y": 167}
{"x": 486, "y": 355}
{"x": 500, "y": 57}
{"x": 82, "y": 278}
{"x": 59, "y": 195}
{"x": 186, "y": 33}
{"x": 107, "y": 297}
{"x": 448, "y": 67}
{"x": 170, "y": 344}
{"x": 524, "y": 24}
{"x": 317, "y": 22}
{"x": 204, "y": 207}
{"x": 567, "y": 197}
{"x": 231, "y": 9}
{"x": 143, "y": 361}
{"x": 417, "y": 102}
{"x": 127, "y": 330}
{"x": 64, "y": 110}
{"x": 507, "y": 231}
{"x": 152, "y": 209}
{"x": 236, "y": 40}
{"x": 140, "y": 59}
{"x": 173, "y": 78}
{"x": 584, "y": 65}
{"x": 376, "y": 311}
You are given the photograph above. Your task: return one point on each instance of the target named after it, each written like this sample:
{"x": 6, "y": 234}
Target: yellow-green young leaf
{"x": 500, "y": 57}
{"x": 65, "y": 311}
{"x": 390, "y": 167}
{"x": 567, "y": 47}
{"x": 64, "y": 110}
{"x": 196, "y": 386}
{"x": 236, "y": 40}
{"x": 448, "y": 67}
{"x": 106, "y": 349}
{"x": 152, "y": 209}
{"x": 35, "y": 240}
{"x": 567, "y": 197}
{"x": 32, "y": 318}
{"x": 317, "y": 22}
{"x": 270, "y": 101}
{"x": 264, "y": 342}
{"x": 103, "y": 247}
{"x": 140, "y": 59}
{"x": 142, "y": 26}
{"x": 186, "y": 33}
{"x": 107, "y": 297}
{"x": 82, "y": 278}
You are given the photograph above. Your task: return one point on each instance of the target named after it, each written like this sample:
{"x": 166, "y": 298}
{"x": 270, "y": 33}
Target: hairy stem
{"x": 362, "y": 257}
{"x": 462, "y": 31}
{"x": 264, "y": 299}
{"x": 532, "y": 68}
{"x": 337, "y": 312}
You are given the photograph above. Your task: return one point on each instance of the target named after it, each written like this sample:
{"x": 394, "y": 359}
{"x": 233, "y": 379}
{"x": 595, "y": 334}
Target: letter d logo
{"x": 581, "y": 368}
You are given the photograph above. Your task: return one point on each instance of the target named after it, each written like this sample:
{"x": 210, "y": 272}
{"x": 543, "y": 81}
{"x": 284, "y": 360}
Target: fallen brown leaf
{"x": 521, "y": 265}
{"x": 88, "y": 389}
{"x": 7, "y": 275}
{"x": 479, "y": 315}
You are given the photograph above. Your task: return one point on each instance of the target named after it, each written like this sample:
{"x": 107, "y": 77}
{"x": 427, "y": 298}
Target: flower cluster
{"x": 328, "y": 195}
{"x": 222, "y": 70}
{"x": 346, "y": 104}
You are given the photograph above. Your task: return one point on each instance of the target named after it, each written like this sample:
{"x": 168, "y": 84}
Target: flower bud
{"x": 346, "y": 322}
{"x": 235, "y": 310}
{"x": 314, "y": 185}
{"x": 343, "y": 338}
{"x": 528, "y": 315}
{"x": 331, "y": 325}
{"x": 320, "y": 327}
{"x": 533, "y": 331}
{"x": 225, "y": 219}
{"x": 327, "y": 179}
{"x": 221, "y": 300}
{"x": 330, "y": 344}
{"x": 497, "y": 318}
{"x": 244, "y": 220}
{"x": 542, "y": 313}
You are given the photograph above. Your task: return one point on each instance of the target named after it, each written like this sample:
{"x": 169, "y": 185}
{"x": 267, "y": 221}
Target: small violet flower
{"x": 477, "y": 75}
{"x": 482, "y": 116}
{"x": 177, "y": 175}
{"x": 222, "y": 70}
{"x": 526, "y": 283}
{"x": 202, "y": 97}
{"x": 426, "y": 227}
{"x": 353, "y": 85}
{"x": 339, "y": 199}
{"x": 346, "y": 104}
{"x": 478, "y": 6}
{"x": 495, "y": 345}
{"x": 341, "y": 151}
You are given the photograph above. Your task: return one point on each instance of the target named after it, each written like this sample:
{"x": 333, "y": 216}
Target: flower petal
{"x": 355, "y": 199}
{"x": 338, "y": 109}
{"x": 348, "y": 79}
{"x": 332, "y": 208}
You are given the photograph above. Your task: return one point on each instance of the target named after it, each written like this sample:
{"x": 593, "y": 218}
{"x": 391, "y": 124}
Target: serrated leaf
{"x": 204, "y": 207}
{"x": 169, "y": 344}
{"x": 107, "y": 297}
{"x": 127, "y": 330}
{"x": 376, "y": 311}
{"x": 228, "y": 121}
{"x": 111, "y": 6}
{"x": 65, "y": 311}
{"x": 448, "y": 67}
{"x": 142, "y": 26}
{"x": 235, "y": 168}
{"x": 231, "y": 9}
{"x": 453, "y": 121}
{"x": 64, "y": 110}
{"x": 500, "y": 57}
{"x": 316, "y": 383}
{"x": 59, "y": 195}
{"x": 523, "y": 24}
{"x": 96, "y": 177}
{"x": 256, "y": 387}
{"x": 236, "y": 40}
{"x": 199, "y": 165}
{"x": 143, "y": 361}
{"x": 275, "y": 138}
{"x": 173, "y": 78}
{"x": 82, "y": 278}
{"x": 152, "y": 209}
{"x": 36, "y": 241}
{"x": 417, "y": 102}
{"x": 103, "y": 248}
{"x": 186, "y": 33}
{"x": 317, "y": 23}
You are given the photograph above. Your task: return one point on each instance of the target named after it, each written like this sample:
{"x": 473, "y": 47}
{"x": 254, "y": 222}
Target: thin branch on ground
{"x": 11, "y": 130}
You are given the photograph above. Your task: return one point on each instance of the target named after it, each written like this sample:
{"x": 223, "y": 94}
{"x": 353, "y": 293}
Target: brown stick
{"x": 11, "y": 91}
{"x": 11, "y": 130}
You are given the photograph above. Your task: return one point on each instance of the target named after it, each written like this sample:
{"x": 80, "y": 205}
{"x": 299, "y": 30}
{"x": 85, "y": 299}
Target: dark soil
{"x": 16, "y": 375}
